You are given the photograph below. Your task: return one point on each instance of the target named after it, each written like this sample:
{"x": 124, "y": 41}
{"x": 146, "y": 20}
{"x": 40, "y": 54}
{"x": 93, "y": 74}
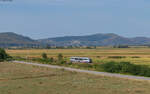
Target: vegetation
{"x": 28, "y": 79}
{"x": 125, "y": 61}
{"x": 126, "y": 67}
{"x": 116, "y": 57}
{"x": 135, "y": 56}
{"x": 113, "y": 67}
{"x": 44, "y": 56}
{"x": 138, "y": 58}
{"x": 60, "y": 57}
{"x": 3, "y": 55}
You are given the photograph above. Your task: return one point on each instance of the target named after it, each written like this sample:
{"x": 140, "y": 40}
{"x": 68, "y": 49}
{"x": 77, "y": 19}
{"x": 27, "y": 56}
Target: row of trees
{"x": 60, "y": 58}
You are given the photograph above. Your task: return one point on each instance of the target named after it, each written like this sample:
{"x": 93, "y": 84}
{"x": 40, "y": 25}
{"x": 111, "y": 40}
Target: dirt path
{"x": 87, "y": 71}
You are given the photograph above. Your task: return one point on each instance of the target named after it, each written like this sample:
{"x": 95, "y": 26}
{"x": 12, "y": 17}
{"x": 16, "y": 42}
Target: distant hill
{"x": 10, "y": 39}
{"x": 96, "y": 40}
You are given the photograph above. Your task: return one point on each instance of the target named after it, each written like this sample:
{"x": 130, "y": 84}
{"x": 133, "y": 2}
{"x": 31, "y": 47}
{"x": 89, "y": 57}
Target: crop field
{"x": 28, "y": 79}
{"x": 134, "y": 55}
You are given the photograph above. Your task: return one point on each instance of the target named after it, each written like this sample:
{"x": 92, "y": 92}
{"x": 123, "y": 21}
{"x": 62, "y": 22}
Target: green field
{"x": 28, "y": 79}
{"x": 98, "y": 55}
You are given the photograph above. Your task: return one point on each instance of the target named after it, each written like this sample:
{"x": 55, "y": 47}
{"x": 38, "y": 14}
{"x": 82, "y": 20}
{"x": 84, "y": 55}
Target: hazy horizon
{"x": 55, "y": 18}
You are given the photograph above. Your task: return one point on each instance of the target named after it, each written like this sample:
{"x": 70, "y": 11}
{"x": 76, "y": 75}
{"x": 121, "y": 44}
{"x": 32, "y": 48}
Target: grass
{"x": 28, "y": 79}
{"x": 98, "y": 55}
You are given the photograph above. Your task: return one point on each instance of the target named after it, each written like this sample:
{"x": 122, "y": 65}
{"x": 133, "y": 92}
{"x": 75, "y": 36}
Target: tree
{"x": 44, "y": 56}
{"x": 51, "y": 59}
{"x": 60, "y": 57}
{"x": 3, "y": 55}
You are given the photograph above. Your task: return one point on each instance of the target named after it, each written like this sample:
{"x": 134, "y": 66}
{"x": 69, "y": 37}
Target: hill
{"x": 96, "y": 40}
{"x": 11, "y": 39}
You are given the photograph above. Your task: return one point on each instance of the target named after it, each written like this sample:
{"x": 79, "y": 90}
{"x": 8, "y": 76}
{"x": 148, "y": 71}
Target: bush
{"x": 141, "y": 70}
{"x": 44, "y": 56}
{"x": 110, "y": 67}
{"x": 70, "y": 63}
{"x": 60, "y": 57}
{"x": 118, "y": 57}
{"x": 135, "y": 57}
{"x": 122, "y": 67}
{"x": 4, "y": 55}
{"x": 61, "y": 62}
{"x": 98, "y": 56}
{"x": 51, "y": 59}
{"x": 126, "y": 67}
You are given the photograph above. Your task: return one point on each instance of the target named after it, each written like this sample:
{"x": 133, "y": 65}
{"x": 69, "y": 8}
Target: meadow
{"x": 137, "y": 55}
{"x": 28, "y": 79}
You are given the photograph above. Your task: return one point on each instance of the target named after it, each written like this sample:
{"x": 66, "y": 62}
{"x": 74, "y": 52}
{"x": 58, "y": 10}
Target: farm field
{"x": 134, "y": 55}
{"x": 28, "y": 79}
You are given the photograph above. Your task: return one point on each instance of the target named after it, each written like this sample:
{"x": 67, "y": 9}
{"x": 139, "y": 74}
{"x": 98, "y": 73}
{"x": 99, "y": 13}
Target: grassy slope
{"x": 27, "y": 79}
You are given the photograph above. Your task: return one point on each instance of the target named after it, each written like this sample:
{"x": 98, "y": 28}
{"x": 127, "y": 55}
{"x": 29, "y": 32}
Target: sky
{"x": 53, "y": 18}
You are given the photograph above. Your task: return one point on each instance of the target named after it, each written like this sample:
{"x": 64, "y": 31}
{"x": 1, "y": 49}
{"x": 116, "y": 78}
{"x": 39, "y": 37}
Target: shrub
{"x": 126, "y": 67}
{"x": 44, "y": 56}
{"x": 111, "y": 67}
{"x": 122, "y": 67}
{"x": 143, "y": 71}
{"x": 98, "y": 56}
{"x": 61, "y": 62}
{"x": 4, "y": 55}
{"x": 51, "y": 59}
{"x": 118, "y": 57}
{"x": 135, "y": 57}
{"x": 70, "y": 63}
{"x": 60, "y": 57}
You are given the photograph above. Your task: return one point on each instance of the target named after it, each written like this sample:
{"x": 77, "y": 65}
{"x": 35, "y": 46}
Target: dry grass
{"x": 98, "y": 55}
{"x": 28, "y": 79}
{"x": 144, "y": 52}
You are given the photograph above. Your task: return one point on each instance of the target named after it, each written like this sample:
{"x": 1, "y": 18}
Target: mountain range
{"x": 9, "y": 39}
